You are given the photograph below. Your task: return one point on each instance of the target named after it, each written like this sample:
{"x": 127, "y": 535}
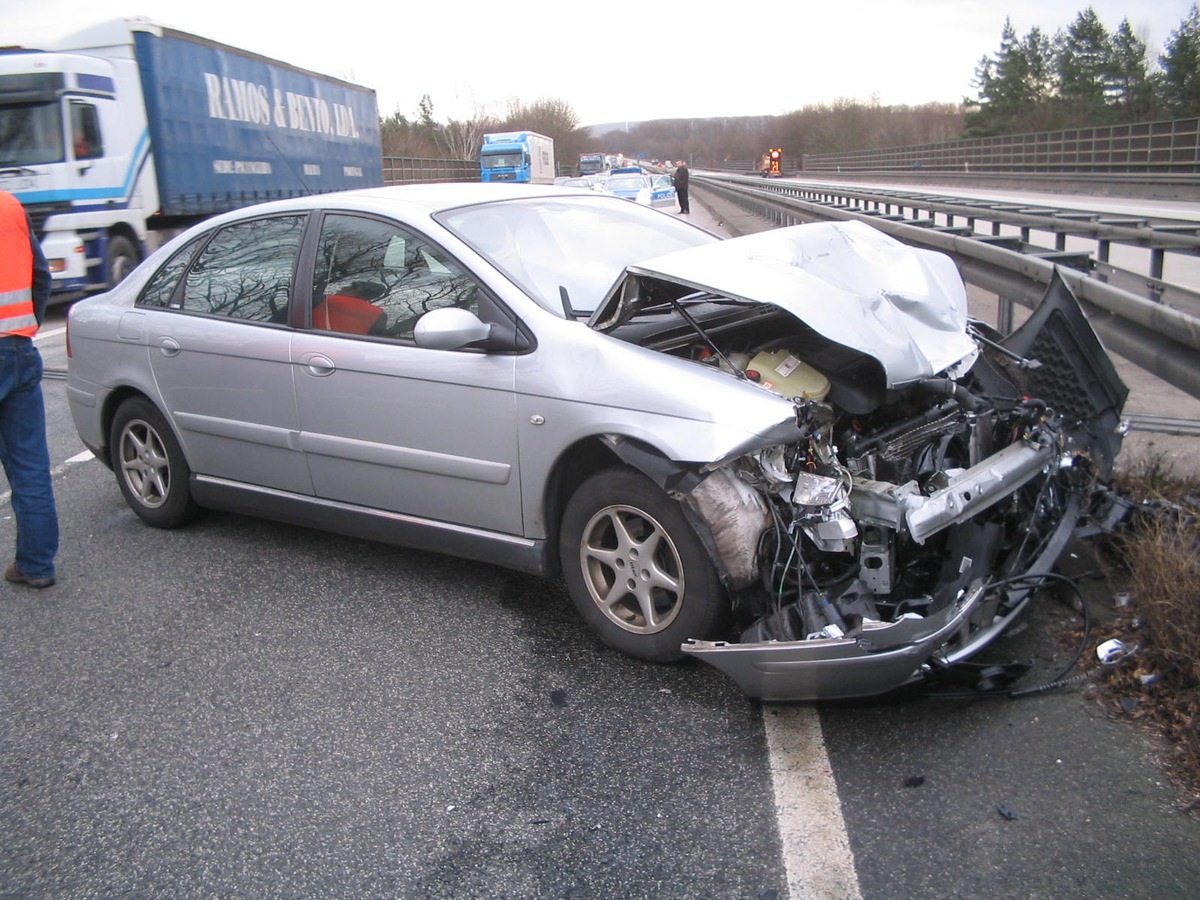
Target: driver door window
{"x": 374, "y": 278}
{"x": 86, "y": 140}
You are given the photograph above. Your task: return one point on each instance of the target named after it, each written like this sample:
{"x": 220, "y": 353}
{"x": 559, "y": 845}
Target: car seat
{"x": 350, "y": 313}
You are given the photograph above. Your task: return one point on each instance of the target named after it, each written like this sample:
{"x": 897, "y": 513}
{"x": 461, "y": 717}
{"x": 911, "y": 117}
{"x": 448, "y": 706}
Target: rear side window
{"x": 162, "y": 285}
{"x": 246, "y": 270}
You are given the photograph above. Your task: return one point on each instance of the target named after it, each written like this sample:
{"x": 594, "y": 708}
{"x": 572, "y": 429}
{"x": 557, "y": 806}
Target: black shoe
{"x": 16, "y": 576}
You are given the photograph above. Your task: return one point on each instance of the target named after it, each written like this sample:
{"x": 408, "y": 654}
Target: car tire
{"x": 121, "y": 259}
{"x": 636, "y": 570}
{"x": 149, "y": 464}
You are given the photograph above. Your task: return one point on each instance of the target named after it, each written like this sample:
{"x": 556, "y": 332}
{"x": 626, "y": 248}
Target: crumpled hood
{"x": 856, "y": 286}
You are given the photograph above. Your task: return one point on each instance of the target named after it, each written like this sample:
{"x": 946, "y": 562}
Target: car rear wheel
{"x": 149, "y": 465}
{"x": 635, "y": 568}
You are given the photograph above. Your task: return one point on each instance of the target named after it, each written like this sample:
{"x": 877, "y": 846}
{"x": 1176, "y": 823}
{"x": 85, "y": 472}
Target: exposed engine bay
{"x": 908, "y": 519}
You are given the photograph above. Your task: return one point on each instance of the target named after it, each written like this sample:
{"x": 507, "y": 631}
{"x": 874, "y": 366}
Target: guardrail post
{"x": 1004, "y": 315}
{"x": 1157, "y": 257}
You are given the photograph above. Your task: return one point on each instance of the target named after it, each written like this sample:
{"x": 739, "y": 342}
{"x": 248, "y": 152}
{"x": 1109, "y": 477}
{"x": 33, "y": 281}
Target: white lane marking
{"x": 54, "y": 472}
{"x": 53, "y": 332}
{"x": 816, "y": 847}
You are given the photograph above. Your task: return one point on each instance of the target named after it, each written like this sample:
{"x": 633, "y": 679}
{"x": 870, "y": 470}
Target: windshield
{"x": 31, "y": 134}
{"x": 580, "y": 243}
{"x": 501, "y": 160}
{"x": 627, "y": 183}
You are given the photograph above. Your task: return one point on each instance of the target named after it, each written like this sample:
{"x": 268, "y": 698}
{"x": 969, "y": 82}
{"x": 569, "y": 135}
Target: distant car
{"x": 648, "y": 190}
{"x": 789, "y": 454}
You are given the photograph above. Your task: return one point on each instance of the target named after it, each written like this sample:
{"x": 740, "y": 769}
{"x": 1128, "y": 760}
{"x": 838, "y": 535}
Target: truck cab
{"x": 128, "y": 130}
{"x": 517, "y": 156}
{"x": 70, "y": 155}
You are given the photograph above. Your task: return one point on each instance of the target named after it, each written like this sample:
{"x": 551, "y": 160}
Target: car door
{"x": 384, "y": 423}
{"x": 663, "y": 191}
{"x": 215, "y": 318}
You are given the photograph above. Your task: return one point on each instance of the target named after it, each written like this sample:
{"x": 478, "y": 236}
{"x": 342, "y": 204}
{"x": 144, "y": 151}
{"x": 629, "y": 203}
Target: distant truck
{"x": 523, "y": 156}
{"x": 593, "y": 163}
{"x": 130, "y": 130}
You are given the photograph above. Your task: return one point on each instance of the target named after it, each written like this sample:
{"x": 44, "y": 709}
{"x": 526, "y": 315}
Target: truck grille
{"x": 40, "y": 212}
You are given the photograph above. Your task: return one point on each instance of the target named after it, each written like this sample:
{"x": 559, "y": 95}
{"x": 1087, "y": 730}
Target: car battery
{"x": 782, "y": 372}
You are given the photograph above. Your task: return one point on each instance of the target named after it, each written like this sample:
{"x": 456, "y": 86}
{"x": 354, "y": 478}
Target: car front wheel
{"x": 149, "y": 464}
{"x": 635, "y": 568}
{"x": 122, "y": 259}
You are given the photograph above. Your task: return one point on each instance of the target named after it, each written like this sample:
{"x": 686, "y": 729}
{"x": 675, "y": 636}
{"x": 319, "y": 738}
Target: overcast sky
{"x": 689, "y": 60}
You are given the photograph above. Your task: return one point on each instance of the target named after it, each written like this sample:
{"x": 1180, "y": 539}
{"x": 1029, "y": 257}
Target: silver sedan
{"x": 790, "y": 455}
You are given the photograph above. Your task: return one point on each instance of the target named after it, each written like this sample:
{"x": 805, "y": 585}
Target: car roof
{"x": 418, "y": 198}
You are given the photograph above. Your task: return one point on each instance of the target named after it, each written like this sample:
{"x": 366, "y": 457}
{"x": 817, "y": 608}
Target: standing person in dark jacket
{"x": 24, "y": 294}
{"x": 681, "y": 187}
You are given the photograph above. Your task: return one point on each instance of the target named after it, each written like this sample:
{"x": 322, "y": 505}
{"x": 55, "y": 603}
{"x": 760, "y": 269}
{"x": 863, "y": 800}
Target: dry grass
{"x": 1156, "y": 559}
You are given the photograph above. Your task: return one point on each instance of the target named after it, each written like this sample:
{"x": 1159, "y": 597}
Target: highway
{"x": 241, "y": 708}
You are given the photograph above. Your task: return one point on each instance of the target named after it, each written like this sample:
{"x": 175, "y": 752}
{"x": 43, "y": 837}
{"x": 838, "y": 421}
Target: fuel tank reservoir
{"x": 784, "y": 373}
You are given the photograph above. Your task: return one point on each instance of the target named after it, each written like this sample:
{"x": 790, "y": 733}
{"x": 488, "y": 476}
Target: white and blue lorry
{"x": 521, "y": 156}
{"x": 126, "y": 132}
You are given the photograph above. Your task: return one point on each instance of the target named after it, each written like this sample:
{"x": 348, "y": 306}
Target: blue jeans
{"x": 25, "y": 456}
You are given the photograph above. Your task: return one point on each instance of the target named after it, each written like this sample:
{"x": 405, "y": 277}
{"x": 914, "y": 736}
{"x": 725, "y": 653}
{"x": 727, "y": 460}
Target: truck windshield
{"x": 501, "y": 160}
{"x": 30, "y": 134}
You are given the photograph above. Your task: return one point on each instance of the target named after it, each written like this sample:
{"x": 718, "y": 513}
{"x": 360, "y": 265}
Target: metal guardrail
{"x": 1159, "y": 338}
{"x": 1160, "y": 236}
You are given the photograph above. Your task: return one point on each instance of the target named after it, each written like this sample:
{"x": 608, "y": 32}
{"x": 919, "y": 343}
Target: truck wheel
{"x": 121, "y": 259}
{"x": 636, "y": 570}
{"x": 149, "y": 464}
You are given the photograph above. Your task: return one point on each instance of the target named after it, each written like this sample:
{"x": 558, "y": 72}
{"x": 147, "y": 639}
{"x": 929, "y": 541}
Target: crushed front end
{"x": 908, "y": 534}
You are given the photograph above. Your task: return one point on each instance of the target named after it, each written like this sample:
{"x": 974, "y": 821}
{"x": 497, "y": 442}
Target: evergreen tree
{"x": 1042, "y": 82}
{"x": 1180, "y": 77}
{"x": 1084, "y": 70}
{"x": 1131, "y": 90}
{"x": 1015, "y": 85}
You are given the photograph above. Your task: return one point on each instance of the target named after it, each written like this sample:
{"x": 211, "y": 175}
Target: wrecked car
{"x": 790, "y": 455}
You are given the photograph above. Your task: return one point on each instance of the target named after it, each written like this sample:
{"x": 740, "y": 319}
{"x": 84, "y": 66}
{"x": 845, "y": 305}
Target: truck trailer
{"x": 129, "y": 130}
{"x": 523, "y": 156}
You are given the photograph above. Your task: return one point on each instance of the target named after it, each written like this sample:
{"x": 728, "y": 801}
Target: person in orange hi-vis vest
{"x": 24, "y": 294}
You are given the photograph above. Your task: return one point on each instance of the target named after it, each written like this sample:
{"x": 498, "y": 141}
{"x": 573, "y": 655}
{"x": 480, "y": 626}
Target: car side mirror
{"x": 450, "y": 328}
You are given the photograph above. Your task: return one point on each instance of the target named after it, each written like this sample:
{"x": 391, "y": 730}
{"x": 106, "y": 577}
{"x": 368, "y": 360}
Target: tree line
{"x": 1084, "y": 75}
{"x": 1081, "y": 76}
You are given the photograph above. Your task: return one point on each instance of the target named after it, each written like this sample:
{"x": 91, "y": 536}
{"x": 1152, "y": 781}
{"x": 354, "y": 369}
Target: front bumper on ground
{"x": 886, "y": 656}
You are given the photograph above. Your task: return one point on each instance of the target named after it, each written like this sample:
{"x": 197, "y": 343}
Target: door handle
{"x": 169, "y": 346}
{"x": 319, "y": 365}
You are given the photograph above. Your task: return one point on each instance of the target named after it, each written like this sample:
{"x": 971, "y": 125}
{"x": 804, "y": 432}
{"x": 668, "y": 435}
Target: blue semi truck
{"x": 522, "y": 156}
{"x": 130, "y": 130}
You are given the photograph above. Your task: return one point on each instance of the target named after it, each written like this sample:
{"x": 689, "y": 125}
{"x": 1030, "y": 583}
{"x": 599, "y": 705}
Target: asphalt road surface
{"x": 241, "y": 708}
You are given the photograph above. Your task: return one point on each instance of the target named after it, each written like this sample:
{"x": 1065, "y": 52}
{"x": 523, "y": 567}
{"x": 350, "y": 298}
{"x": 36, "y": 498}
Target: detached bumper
{"x": 886, "y": 656}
